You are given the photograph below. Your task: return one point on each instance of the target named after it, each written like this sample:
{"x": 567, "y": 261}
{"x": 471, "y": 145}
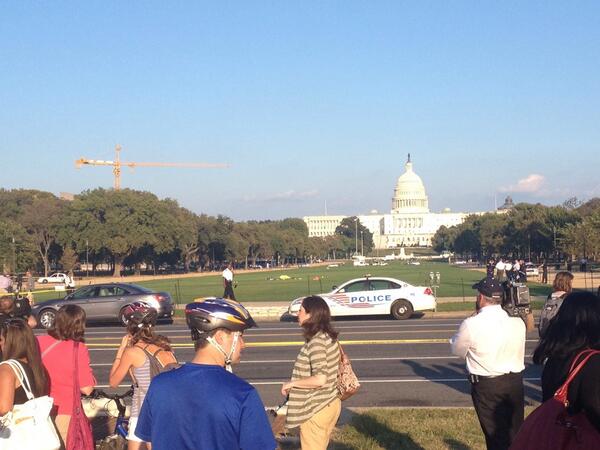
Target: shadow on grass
{"x": 379, "y": 433}
{"x": 453, "y": 444}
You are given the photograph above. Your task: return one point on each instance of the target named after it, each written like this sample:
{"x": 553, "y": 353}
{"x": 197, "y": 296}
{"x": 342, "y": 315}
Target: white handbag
{"x": 28, "y": 426}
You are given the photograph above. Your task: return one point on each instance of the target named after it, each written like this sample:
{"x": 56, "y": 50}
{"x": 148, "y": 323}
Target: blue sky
{"x": 309, "y": 102}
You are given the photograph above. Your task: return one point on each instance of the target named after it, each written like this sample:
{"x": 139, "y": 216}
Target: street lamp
{"x": 361, "y": 243}
{"x": 14, "y": 257}
{"x": 356, "y": 235}
{"x": 87, "y": 264}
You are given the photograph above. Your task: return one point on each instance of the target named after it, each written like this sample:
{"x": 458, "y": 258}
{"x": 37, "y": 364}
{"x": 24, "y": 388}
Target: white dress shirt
{"x": 228, "y": 274}
{"x": 492, "y": 342}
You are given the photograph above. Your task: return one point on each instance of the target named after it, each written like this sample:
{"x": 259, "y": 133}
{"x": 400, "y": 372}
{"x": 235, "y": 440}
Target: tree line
{"x": 533, "y": 231}
{"x": 128, "y": 229}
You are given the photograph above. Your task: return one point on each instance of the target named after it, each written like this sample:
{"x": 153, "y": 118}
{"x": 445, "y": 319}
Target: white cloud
{"x": 531, "y": 184}
{"x": 292, "y": 195}
{"x": 283, "y": 196}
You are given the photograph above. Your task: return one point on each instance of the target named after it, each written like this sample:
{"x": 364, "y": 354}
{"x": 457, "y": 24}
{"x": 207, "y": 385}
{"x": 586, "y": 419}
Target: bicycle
{"x": 118, "y": 439}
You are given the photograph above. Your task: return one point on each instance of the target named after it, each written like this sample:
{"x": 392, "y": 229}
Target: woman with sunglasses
{"x": 18, "y": 344}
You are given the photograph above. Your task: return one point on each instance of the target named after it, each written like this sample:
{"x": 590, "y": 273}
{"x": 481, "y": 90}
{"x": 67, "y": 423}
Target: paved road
{"x": 400, "y": 363}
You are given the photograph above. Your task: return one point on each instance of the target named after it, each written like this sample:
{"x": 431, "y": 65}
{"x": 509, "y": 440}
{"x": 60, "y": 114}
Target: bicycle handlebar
{"x": 99, "y": 393}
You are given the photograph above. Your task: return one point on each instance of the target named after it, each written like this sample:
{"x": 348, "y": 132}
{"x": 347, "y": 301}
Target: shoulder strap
{"x": 21, "y": 376}
{"x": 561, "y": 393}
{"x": 54, "y": 344}
{"x": 153, "y": 355}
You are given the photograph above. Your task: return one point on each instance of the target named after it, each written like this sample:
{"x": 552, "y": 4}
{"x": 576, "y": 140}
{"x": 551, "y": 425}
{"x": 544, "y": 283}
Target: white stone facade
{"x": 409, "y": 223}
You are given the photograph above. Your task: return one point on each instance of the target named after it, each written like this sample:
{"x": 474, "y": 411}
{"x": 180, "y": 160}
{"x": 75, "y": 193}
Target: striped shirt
{"x": 142, "y": 378}
{"x": 320, "y": 355}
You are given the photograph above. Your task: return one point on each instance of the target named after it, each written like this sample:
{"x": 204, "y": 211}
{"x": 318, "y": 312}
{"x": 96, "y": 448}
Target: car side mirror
{"x": 334, "y": 287}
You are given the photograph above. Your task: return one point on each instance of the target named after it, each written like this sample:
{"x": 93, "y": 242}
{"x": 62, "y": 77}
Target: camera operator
{"x": 493, "y": 345}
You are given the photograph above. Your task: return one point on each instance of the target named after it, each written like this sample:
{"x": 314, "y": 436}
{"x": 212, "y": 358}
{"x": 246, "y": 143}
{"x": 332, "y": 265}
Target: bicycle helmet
{"x": 141, "y": 313}
{"x": 213, "y": 313}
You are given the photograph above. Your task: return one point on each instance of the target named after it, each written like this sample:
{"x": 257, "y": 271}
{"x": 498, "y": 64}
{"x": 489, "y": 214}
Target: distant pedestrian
{"x": 493, "y": 345}
{"x": 5, "y": 284}
{"x": 545, "y": 272}
{"x": 561, "y": 287}
{"x": 228, "y": 282}
{"x": 30, "y": 281}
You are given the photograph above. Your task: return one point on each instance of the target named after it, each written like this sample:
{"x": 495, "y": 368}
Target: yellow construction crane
{"x": 117, "y": 163}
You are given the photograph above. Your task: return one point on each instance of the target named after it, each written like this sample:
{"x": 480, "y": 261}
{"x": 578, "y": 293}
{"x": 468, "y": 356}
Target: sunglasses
{"x": 13, "y": 322}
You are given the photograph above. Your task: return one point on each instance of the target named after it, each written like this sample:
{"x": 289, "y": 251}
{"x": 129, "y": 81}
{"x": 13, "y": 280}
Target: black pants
{"x": 228, "y": 293}
{"x": 499, "y": 403}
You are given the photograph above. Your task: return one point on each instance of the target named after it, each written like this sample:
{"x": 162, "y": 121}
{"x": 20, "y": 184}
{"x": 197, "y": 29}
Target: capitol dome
{"x": 409, "y": 194}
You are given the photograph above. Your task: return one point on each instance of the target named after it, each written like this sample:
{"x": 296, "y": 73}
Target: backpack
{"x": 156, "y": 366}
{"x": 551, "y": 307}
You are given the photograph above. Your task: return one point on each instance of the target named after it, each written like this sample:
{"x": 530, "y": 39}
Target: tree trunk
{"x": 138, "y": 269}
{"x": 118, "y": 265}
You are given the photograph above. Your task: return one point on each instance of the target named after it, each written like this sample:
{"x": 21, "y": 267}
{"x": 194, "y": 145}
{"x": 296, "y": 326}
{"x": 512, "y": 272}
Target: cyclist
{"x": 202, "y": 405}
{"x": 137, "y": 347}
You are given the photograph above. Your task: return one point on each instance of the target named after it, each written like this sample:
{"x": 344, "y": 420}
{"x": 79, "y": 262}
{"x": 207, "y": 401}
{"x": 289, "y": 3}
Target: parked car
{"x": 532, "y": 270}
{"x": 104, "y": 302}
{"x": 57, "y": 278}
{"x": 375, "y": 295}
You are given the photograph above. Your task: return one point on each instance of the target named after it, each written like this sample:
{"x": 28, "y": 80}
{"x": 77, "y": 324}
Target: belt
{"x": 474, "y": 379}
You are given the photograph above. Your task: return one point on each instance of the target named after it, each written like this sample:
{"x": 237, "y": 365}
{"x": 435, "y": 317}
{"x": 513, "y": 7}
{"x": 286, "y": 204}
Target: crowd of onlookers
{"x": 202, "y": 404}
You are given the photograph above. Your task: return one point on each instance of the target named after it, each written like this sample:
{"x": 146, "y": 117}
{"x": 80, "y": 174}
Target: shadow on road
{"x": 441, "y": 374}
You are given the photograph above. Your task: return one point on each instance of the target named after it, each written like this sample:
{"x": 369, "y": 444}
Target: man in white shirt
{"x": 493, "y": 346}
{"x": 228, "y": 282}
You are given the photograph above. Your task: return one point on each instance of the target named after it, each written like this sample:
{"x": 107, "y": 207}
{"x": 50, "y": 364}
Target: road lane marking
{"x": 362, "y": 381}
{"x": 260, "y": 330}
{"x": 289, "y": 334}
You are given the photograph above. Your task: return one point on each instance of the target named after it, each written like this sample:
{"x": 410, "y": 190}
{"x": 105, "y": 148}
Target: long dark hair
{"x": 69, "y": 324}
{"x": 20, "y": 343}
{"x": 319, "y": 320}
{"x": 141, "y": 330}
{"x": 576, "y": 326}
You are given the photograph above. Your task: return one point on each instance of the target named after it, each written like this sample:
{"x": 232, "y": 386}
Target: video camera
{"x": 515, "y": 299}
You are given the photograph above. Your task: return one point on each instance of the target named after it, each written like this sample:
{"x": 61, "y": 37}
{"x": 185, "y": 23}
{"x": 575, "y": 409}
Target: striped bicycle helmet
{"x": 211, "y": 313}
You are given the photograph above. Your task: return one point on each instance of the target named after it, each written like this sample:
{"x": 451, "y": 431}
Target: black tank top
{"x": 20, "y": 395}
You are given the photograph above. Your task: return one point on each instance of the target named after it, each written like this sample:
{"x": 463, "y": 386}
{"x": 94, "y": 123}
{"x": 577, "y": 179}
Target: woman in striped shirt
{"x": 313, "y": 403}
{"x": 132, "y": 357}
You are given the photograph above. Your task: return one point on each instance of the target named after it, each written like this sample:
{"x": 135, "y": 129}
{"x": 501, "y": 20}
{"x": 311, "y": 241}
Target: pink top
{"x": 58, "y": 363}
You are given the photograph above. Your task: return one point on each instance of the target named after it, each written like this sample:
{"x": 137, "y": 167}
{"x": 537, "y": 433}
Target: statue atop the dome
{"x": 408, "y": 158}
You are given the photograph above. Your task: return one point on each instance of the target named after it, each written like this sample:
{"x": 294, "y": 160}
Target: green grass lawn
{"x": 266, "y": 285}
{"x": 411, "y": 429}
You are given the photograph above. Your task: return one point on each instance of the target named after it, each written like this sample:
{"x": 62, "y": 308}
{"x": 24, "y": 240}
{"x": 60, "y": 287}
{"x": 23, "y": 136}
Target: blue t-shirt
{"x": 200, "y": 406}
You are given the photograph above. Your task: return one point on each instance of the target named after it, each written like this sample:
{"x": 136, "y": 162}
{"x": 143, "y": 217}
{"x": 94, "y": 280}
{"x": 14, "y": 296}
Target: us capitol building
{"x": 409, "y": 223}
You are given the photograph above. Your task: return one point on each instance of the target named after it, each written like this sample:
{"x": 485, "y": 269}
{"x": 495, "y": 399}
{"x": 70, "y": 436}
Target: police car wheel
{"x": 46, "y": 318}
{"x": 402, "y": 310}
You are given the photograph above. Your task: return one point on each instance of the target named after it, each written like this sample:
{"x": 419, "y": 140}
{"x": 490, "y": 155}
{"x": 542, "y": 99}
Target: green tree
{"x": 356, "y": 234}
{"x": 122, "y": 222}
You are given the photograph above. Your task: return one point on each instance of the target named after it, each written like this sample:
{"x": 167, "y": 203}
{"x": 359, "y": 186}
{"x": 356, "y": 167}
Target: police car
{"x": 375, "y": 295}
